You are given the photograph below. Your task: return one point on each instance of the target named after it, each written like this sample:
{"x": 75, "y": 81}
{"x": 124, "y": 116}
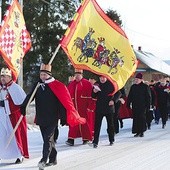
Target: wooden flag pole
{"x": 38, "y": 84}
{"x": 55, "y": 52}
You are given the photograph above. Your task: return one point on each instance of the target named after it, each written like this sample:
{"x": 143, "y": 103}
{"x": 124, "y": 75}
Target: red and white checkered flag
{"x": 15, "y": 40}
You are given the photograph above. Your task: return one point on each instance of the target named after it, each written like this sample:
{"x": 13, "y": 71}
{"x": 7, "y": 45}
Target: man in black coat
{"x": 163, "y": 95}
{"x": 52, "y": 102}
{"x": 102, "y": 91}
{"x": 139, "y": 99}
{"x": 48, "y": 109}
{"x": 149, "y": 115}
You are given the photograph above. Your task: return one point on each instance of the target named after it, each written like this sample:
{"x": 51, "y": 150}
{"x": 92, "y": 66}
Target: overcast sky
{"x": 146, "y": 23}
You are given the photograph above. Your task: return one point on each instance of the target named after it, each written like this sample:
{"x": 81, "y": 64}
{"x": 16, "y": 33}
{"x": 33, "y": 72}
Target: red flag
{"x": 15, "y": 40}
{"x": 94, "y": 42}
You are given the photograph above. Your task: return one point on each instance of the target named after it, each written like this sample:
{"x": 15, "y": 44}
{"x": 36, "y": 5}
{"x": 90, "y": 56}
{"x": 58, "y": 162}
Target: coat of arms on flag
{"x": 94, "y": 42}
{"x": 15, "y": 40}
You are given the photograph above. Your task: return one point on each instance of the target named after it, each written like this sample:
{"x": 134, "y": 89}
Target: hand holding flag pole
{"x": 118, "y": 44}
{"x": 8, "y": 23}
{"x": 31, "y": 98}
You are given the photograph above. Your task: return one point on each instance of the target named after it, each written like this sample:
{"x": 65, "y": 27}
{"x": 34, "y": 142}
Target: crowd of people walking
{"x": 81, "y": 105}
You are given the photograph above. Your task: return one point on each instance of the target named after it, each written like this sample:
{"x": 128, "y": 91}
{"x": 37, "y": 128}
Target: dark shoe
{"x": 19, "y": 161}
{"x": 90, "y": 144}
{"x": 70, "y": 142}
{"x": 121, "y": 125}
{"x": 51, "y": 163}
{"x": 136, "y": 135}
{"x": 111, "y": 143}
{"x": 85, "y": 142}
{"x": 95, "y": 145}
{"x": 41, "y": 165}
{"x": 163, "y": 126}
{"x": 149, "y": 128}
{"x": 141, "y": 135}
{"x": 157, "y": 122}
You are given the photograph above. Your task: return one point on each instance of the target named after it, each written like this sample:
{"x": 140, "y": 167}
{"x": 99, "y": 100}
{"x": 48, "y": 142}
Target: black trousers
{"x": 49, "y": 149}
{"x": 98, "y": 123}
{"x": 116, "y": 123}
{"x": 164, "y": 114}
{"x": 56, "y": 134}
{"x": 149, "y": 118}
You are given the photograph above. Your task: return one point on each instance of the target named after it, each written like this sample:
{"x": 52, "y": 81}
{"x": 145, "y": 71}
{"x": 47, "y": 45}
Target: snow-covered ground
{"x": 152, "y": 152}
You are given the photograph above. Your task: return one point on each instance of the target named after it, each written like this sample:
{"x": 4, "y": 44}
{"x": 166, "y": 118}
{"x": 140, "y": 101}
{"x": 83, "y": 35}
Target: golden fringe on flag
{"x": 15, "y": 40}
{"x": 94, "y": 42}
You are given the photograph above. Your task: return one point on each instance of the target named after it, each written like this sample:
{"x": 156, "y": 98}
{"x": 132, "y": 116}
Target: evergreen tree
{"x": 46, "y": 22}
{"x": 114, "y": 16}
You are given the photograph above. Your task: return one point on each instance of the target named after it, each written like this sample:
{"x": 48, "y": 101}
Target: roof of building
{"x": 167, "y": 61}
{"x": 152, "y": 61}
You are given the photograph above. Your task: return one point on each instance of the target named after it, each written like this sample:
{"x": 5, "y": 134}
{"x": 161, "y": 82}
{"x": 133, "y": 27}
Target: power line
{"x": 146, "y": 35}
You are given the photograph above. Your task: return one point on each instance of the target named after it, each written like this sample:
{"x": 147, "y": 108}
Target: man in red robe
{"x": 80, "y": 90}
{"x": 14, "y": 95}
{"x": 91, "y": 110}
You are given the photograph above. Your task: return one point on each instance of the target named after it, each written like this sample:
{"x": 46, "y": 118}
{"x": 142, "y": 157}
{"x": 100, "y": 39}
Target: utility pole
{"x": 20, "y": 76}
{"x": 0, "y": 11}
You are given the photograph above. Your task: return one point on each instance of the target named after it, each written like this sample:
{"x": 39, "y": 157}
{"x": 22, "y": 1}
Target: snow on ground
{"x": 128, "y": 153}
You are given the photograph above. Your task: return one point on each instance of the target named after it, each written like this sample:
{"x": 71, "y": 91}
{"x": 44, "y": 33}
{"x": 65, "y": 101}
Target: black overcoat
{"x": 48, "y": 107}
{"x": 104, "y": 97}
{"x": 139, "y": 98}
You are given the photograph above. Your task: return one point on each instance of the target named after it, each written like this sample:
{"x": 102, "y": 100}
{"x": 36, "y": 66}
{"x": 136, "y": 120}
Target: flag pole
{"x": 55, "y": 52}
{"x": 38, "y": 84}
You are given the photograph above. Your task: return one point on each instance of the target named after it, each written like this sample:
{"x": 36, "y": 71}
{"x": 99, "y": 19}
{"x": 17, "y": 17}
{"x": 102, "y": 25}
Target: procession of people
{"x": 81, "y": 105}
{"x": 92, "y": 43}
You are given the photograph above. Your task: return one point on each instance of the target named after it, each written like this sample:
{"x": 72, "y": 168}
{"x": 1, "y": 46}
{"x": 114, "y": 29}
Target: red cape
{"x": 62, "y": 93}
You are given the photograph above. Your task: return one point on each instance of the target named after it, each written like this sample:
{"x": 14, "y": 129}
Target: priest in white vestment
{"x": 11, "y": 97}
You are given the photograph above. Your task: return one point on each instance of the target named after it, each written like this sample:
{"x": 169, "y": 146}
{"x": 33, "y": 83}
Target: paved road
{"x": 152, "y": 152}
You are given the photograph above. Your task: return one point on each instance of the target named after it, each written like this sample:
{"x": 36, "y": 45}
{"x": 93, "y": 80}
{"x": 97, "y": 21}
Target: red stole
{"x": 62, "y": 93}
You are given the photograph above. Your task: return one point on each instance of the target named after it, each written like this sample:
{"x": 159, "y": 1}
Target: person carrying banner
{"x": 103, "y": 92}
{"x": 52, "y": 102}
{"x": 13, "y": 96}
{"x": 80, "y": 90}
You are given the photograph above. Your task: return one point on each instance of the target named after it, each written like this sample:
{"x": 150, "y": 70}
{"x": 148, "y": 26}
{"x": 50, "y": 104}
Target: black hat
{"x": 139, "y": 76}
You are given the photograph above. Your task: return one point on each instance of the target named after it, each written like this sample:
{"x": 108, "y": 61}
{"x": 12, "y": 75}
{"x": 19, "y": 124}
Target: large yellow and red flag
{"x": 94, "y": 42}
{"x": 15, "y": 40}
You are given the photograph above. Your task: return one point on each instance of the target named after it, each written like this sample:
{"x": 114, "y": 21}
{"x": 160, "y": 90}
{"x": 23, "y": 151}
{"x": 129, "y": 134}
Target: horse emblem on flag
{"x": 98, "y": 52}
